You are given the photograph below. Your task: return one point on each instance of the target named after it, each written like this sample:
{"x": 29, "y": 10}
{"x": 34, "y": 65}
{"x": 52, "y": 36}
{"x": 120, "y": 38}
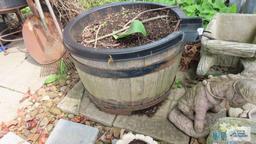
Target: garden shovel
{"x": 43, "y": 36}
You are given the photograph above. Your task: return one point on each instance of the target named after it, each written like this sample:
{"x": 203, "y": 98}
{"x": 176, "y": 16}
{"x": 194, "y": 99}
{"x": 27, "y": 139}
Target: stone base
{"x": 158, "y": 126}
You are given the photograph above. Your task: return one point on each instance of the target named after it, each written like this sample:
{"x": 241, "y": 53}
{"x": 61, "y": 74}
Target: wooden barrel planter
{"x": 124, "y": 80}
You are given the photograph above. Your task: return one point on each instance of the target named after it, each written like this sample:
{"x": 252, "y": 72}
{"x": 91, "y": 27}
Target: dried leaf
{"x": 26, "y": 96}
{"x": 43, "y": 137}
{"x": 11, "y": 123}
{"x": 21, "y": 112}
{"x": 78, "y": 119}
{"x": 4, "y": 131}
{"x": 31, "y": 124}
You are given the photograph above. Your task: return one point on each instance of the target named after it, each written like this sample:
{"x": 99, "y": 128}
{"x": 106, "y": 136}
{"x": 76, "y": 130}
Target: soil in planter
{"x": 156, "y": 29}
{"x": 137, "y": 142}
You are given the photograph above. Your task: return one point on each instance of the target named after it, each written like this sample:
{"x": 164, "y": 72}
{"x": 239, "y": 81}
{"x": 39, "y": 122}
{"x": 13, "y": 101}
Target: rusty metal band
{"x": 126, "y": 108}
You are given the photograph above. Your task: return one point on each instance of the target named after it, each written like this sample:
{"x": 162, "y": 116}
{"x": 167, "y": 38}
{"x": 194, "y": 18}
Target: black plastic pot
{"x": 12, "y": 4}
{"x": 137, "y": 77}
{"x": 187, "y": 33}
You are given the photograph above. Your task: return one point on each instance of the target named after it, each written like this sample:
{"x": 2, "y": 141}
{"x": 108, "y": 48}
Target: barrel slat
{"x": 137, "y": 89}
{"x": 158, "y": 87}
{"x": 123, "y": 87}
{"x": 150, "y": 82}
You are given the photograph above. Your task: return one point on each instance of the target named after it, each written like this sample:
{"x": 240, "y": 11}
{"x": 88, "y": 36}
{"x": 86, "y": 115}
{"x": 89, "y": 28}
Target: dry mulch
{"x": 190, "y": 56}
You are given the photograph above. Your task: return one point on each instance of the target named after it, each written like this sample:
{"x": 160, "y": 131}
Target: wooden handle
{"x": 41, "y": 13}
{"x": 54, "y": 18}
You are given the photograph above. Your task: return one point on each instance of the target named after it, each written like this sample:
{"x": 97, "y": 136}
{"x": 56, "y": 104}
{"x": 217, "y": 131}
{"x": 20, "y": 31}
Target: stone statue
{"x": 227, "y": 42}
{"x": 190, "y": 113}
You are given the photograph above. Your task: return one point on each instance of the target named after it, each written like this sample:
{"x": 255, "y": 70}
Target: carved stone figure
{"x": 229, "y": 40}
{"x": 190, "y": 113}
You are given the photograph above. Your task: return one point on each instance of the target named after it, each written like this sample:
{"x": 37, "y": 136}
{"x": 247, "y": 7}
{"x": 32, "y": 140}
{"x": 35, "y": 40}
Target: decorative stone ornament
{"x": 229, "y": 40}
{"x": 130, "y": 138}
{"x": 213, "y": 95}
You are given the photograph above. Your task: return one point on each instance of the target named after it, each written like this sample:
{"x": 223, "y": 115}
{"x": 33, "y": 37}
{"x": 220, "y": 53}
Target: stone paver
{"x": 66, "y": 132}
{"x": 84, "y": 103}
{"x": 171, "y": 101}
{"x": 11, "y": 138}
{"x": 9, "y": 103}
{"x": 71, "y": 102}
{"x": 157, "y": 127}
{"x": 93, "y": 113}
{"x": 19, "y": 71}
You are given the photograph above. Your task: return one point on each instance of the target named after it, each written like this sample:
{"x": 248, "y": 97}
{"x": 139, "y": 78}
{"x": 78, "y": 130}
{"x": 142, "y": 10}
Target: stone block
{"x": 84, "y": 103}
{"x": 170, "y": 102}
{"x": 11, "y": 138}
{"x": 66, "y": 132}
{"x": 93, "y": 113}
{"x": 157, "y": 127}
{"x": 71, "y": 102}
{"x": 9, "y": 104}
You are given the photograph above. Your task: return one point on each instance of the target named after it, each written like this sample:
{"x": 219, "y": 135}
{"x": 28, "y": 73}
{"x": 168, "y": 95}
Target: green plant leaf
{"x": 190, "y": 10}
{"x": 233, "y": 8}
{"x": 63, "y": 68}
{"x": 135, "y": 27}
{"x": 51, "y": 79}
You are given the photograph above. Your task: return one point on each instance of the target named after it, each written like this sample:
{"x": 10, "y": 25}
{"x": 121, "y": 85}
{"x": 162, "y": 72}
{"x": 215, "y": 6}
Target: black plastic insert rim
{"x": 103, "y": 54}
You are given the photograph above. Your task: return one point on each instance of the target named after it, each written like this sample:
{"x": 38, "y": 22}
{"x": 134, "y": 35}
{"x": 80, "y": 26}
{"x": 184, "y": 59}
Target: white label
{"x": 239, "y": 134}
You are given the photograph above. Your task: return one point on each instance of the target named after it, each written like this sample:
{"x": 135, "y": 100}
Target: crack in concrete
{"x": 13, "y": 90}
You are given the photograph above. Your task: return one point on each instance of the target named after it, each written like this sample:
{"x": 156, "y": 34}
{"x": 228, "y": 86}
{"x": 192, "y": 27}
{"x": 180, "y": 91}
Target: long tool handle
{"x": 54, "y": 18}
{"x": 41, "y": 13}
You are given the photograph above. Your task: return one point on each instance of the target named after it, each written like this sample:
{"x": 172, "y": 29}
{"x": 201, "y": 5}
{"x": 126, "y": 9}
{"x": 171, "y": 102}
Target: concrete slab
{"x": 170, "y": 102}
{"x": 9, "y": 104}
{"x": 71, "y": 102}
{"x": 157, "y": 127}
{"x": 66, "y": 132}
{"x": 12, "y": 138}
{"x": 84, "y": 103}
{"x": 19, "y": 71}
{"x": 93, "y": 113}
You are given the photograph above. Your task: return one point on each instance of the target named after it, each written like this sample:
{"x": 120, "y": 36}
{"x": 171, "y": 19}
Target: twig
{"x": 177, "y": 26}
{"x": 155, "y": 18}
{"x": 125, "y": 28}
{"x": 150, "y": 10}
{"x": 96, "y": 37}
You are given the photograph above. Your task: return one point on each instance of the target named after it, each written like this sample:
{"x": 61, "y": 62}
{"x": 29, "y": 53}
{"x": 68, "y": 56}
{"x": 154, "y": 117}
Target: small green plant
{"x": 178, "y": 84}
{"x": 205, "y": 9}
{"x": 26, "y": 11}
{"x": 135, "y": 27}
{"x": 60, "y": 75}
